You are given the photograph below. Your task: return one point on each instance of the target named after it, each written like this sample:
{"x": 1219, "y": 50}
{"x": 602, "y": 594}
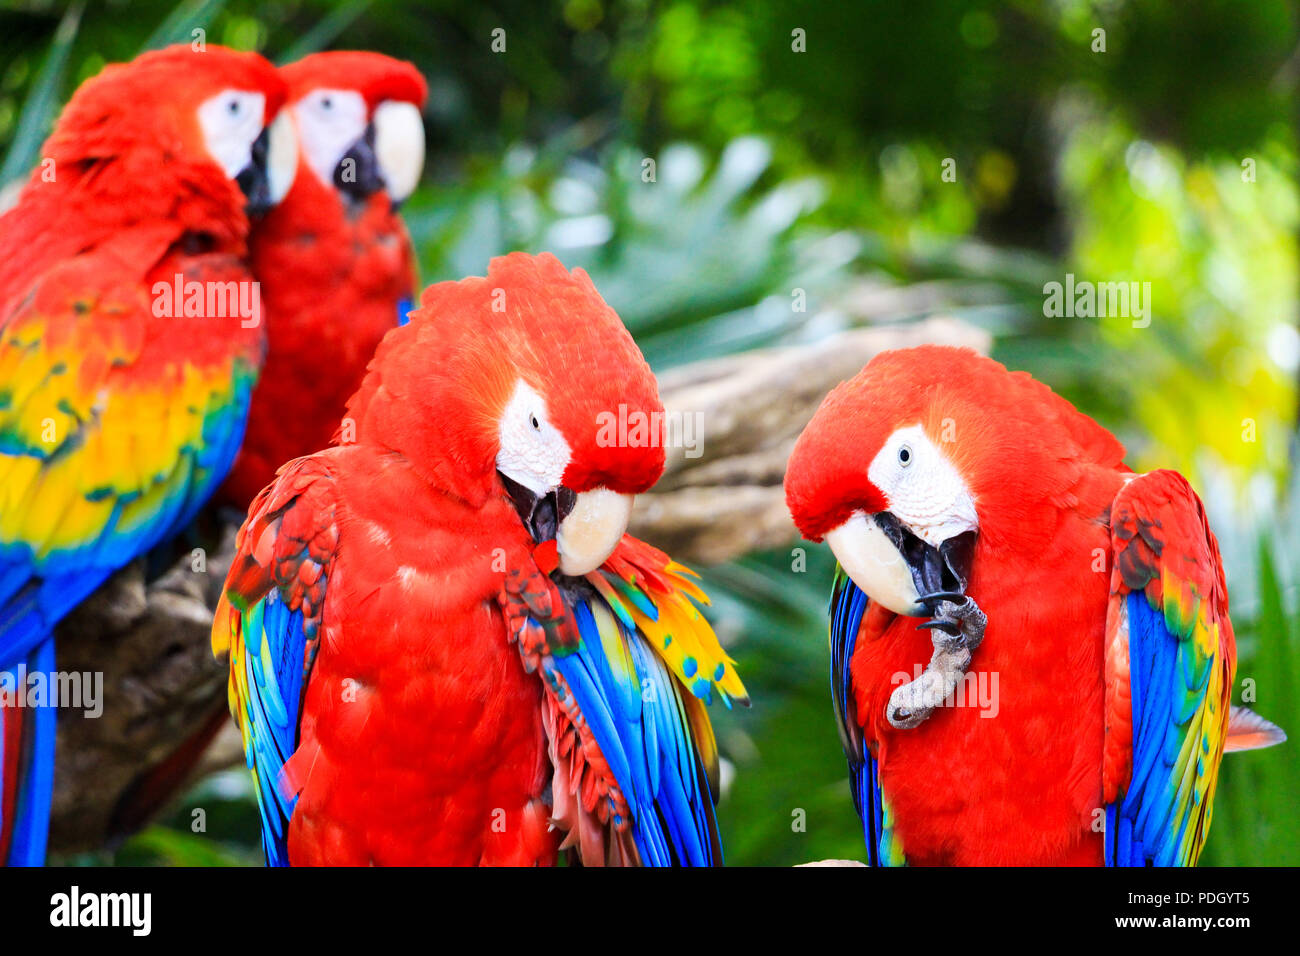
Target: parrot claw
{"x": 936, "y": 598}
{"x": 958, "y": 627}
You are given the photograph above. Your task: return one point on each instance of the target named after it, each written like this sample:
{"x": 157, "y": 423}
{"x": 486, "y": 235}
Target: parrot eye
{"x": 531, "y": 455}
{"x": 230, "y": 123}
{"x": 330, "y": 123}
{"x": 905, "y": 456}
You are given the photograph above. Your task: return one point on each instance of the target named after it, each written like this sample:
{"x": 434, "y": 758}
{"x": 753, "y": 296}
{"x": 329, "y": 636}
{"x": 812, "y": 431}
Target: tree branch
{"x": 751, "y": 407}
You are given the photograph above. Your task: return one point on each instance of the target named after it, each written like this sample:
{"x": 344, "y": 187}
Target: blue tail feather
{"x": 36, "y": 768}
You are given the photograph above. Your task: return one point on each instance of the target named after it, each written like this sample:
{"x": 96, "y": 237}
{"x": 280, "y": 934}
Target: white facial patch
{"x": 924, "y": 489}
{"x": 329, "y": 122}
{"x": 399, "y": 147}
{"x": 231, "y": 121}
{"x": 533, "y": 452}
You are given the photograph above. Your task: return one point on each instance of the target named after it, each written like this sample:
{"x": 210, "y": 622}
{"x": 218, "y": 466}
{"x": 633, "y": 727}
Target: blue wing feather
{"x": 635, "y": 711}
{"x": 271, "y": 711}
{"x": 37, "y": 592}
{"x": 847, "y": 607}
{"x": 1142, "y": 824}
{"x": 272, "y": 643}
{"x": 404, "y": 307}
{"x": 36, "y": 787}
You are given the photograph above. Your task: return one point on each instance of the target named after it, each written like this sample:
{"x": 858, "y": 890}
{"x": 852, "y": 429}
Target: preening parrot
{"x": 335, "y": 262}
{"x": 443, "y": 648}
{"x": 126, "y": 356}
{"x": 1069, "y": 699}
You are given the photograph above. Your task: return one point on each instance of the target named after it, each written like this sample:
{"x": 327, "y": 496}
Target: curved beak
{"x": 273, "y": 161}
{"x": 593, "y": 529}
{"x": 541, "y": 514}
{"x": 399, "y": 147}
{"x": 586, "y": 527}
{"x": 897, "y": 569}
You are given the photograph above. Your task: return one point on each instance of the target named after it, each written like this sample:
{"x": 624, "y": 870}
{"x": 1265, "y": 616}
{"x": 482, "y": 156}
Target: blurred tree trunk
{"x": 161, "y": 687}
{"x": 724, "y": 498}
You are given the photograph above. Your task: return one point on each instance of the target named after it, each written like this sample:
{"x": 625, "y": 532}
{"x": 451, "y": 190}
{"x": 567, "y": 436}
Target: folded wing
{"x": 628, "y": 675}
{"x": 1170, "y": 658}
{"x": 269, "y": 620}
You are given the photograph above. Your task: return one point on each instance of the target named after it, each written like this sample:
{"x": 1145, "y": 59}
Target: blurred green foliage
{"x": 1161, "y": 150}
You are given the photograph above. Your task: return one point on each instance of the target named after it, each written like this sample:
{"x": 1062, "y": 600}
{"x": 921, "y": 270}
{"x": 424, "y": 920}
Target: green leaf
{"x": 326, "y": 31}
{"x": 180, "y": 24}
{"x": 42, "y": 103}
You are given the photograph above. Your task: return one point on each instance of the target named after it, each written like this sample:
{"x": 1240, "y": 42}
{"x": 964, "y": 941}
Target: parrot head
{"x": 357, "y": 115}
{"x": 525, "y": 385}
{"x": 197, "y": 111}
{"x": 925, "y": 455}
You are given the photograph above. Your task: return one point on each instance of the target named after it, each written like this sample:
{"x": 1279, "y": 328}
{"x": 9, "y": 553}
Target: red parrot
{"x": 443, "y": 648}
{"x": 130, "y": 337}
{"x": 337, "y": 271}
{"x": 334, "y": 259}
{"x": 1069, "y": 699}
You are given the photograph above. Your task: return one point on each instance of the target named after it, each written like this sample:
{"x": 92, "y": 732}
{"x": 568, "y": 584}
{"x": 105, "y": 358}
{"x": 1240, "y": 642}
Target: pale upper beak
{"x": 897, "y": 569}
{"x": 282, "y": 156}
{"x": 592, "y": 530}
{"x": 273, "y": 161}
{"x": 399, "y": 147}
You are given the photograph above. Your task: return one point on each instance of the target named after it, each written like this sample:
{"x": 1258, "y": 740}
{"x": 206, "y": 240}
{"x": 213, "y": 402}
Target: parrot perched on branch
{"x": 337, "y": 271}
{"x": 334, "y": 259}
{"x": 130, "y": 337}
{"x": 1031, "y": 656}
{"x": 443, "y": 648}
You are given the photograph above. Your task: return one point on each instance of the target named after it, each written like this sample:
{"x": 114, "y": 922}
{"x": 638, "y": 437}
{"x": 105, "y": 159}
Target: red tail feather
{"x": 11, "y": 731}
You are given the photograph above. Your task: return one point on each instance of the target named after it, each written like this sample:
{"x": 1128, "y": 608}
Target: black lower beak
{"x": 358, "y": 174}
{"x": 940, "y": 573}
{"x": 253, "y": 180}
{"x": 541, "y": 514}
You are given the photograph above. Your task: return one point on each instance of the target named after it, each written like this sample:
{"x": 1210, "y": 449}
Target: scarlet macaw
{"x": 123, "y": 403}
{"x": 378, "y": 588}
{"x": 335, "y": 262}
{"x": 951, "y": 489}
{"x": 337, "y": 271}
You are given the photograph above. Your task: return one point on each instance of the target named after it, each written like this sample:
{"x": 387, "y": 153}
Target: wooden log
{"x": 723, "y": 498}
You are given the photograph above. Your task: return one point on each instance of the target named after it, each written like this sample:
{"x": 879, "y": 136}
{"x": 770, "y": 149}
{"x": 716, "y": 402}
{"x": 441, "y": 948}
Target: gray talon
{"x": 955, "y": 631}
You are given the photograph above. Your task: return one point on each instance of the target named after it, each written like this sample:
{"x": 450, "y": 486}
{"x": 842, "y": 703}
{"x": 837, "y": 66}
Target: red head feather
{"x": 437, "y": 387}
{"x": 128, "y": 150}
{"x": 333, "y": 272}
{"x": 1014, "y": 442}
{"x": 314, "y": 208}
{"x": 152, "y": 102}
{"x": 375, "y": 76}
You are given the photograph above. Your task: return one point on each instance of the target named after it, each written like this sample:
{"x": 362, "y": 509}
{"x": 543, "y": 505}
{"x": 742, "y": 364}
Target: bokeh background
{"x": 1162, "y": 150}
